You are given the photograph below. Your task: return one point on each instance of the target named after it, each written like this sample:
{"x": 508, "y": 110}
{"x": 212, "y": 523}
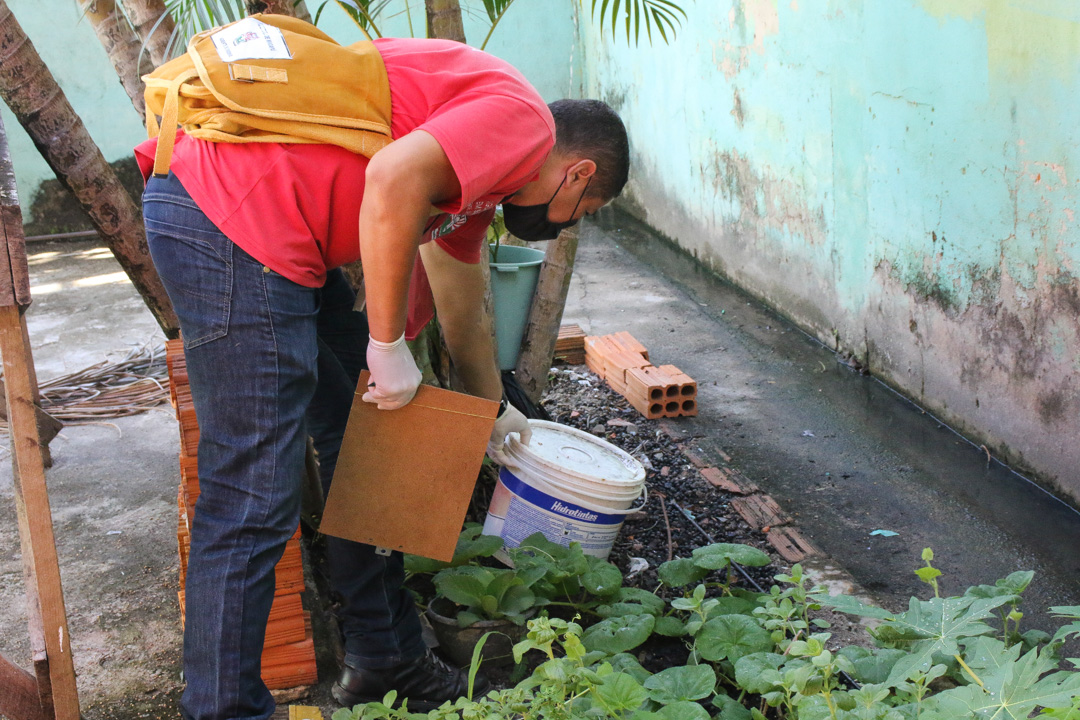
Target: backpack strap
{"x": 168, "y": 127}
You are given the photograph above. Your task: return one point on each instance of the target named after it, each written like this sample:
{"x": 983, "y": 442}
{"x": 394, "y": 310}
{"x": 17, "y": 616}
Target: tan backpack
{"x": 313, "y": 90}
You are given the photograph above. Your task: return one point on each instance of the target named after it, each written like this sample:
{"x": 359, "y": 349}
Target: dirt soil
{"x": 660, "y": 531}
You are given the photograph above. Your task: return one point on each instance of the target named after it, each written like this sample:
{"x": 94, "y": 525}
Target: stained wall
{"x": 900, "y": 178}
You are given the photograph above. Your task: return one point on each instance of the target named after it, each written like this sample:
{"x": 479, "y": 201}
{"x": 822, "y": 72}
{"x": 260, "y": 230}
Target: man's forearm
{"x": 474, "y": 362}
{"x": 459, "y": 289}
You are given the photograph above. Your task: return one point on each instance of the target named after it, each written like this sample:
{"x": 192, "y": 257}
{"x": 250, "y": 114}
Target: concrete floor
{"x": 841, "y": 453}
{"x": 838, "y": 450}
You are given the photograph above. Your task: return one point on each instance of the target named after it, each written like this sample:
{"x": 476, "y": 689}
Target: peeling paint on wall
{"x": 763, "y": 16}
{"x": 899, "y": 177}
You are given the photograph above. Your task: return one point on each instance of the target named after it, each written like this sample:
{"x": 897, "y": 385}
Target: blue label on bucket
{"x": 555, "y": 505}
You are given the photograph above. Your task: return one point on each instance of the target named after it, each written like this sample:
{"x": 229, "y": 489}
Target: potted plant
{"x": 471, "y": 601}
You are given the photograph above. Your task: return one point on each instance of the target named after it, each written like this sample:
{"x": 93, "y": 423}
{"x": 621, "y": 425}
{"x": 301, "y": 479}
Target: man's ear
{"x": 581, "y": 171}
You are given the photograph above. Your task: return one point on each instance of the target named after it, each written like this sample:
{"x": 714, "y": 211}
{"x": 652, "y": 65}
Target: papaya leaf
{"x": 1012, "y": 691}
{"x": 933, "y": 627}
{"x": 928, "y": 574}
{"x": 988, "y": 653}
{"x": 872, "y": 666}
{"x": 852, "y": 606}
{"x": 1015, "y": 584}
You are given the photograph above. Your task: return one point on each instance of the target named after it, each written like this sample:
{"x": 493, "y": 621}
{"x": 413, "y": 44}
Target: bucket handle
{"x": 504, "y": 268}
{"x": 644, "y": 497}
{"x": 644, "y": 501}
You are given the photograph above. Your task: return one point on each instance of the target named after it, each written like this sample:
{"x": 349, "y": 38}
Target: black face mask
{"x": 530, "y": 222}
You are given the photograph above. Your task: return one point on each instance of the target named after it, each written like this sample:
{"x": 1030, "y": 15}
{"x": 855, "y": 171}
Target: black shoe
{"x": 426, "y": 682}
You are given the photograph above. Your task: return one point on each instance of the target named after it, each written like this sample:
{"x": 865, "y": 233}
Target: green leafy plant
{"x": 488, "y": 593}
{"x": 758, "y": 656}
{"x": 569, "y": 578}
{"x": 495, "y": 233}
{"x": 472, "y": 545}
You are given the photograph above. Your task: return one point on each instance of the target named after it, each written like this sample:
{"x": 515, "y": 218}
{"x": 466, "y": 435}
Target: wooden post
{"x": 545, "y": 314}
{"x": 50, "y": 641}
{"x": 40, "y": 106}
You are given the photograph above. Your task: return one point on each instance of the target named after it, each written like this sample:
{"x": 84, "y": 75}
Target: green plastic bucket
{"x": 513, "y": 284}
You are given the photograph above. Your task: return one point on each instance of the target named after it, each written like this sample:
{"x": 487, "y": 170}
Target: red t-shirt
{"x": 294, "y": 207}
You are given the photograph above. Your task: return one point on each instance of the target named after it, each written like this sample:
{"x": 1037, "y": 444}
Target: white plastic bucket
{"x": 567, "y": 484}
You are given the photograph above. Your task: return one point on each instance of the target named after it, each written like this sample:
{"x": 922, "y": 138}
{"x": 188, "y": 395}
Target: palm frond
{"x": 496, "y": 9}
{"x": 665, "y": 16}
{"x": 195, "y": 16}
{"x": 362, "y": 12}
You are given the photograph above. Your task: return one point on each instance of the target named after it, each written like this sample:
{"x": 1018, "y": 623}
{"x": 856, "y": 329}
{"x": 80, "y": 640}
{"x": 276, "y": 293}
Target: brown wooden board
{"x": 18, "y": 693}
{"x": 404, "y": 477}
{"x": 50, "y": 639}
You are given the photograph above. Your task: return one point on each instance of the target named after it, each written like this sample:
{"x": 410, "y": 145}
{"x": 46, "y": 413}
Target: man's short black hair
{"x": 591, "y": 129}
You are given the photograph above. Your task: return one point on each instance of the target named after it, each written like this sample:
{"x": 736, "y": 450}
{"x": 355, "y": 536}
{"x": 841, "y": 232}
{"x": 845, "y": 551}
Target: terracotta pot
{"x": 457, "y": 643}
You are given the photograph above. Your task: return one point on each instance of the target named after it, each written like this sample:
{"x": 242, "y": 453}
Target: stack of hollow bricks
{"x": 624, "y": 363}
{"x": 656, "y": 392}
{"x": 288, "y": 658}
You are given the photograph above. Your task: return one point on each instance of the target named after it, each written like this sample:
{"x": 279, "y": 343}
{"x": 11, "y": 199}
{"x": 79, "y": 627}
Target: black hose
{"x": 515, "y": 395}
{"x": 844, "y": 677}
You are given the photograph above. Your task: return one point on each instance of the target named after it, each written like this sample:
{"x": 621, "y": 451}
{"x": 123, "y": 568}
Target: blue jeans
{"x": 269, "y": 361}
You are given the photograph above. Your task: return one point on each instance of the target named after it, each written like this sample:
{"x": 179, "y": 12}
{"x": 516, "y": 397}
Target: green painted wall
{"x": 900, "y": 177}
{"x": 68, "y": 45}
{"x": 537, "y": 36}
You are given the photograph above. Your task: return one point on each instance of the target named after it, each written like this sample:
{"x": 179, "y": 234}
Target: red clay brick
{"x": 695, "y": 457}
{"x": 760, "y": 511}
{"x": 791, "y": 545}
{"x": 728, "y": 480}
{"x": 717, "y": 477}
{"x": 652, "y": 411}
{"x": 630, "y": 343}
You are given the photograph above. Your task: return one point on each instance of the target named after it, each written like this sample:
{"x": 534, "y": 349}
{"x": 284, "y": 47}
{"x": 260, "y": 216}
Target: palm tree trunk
{"x": 274, "y": 7}
{"x": 122, "y": 46}
{"x": 154, "y": 26}
{"x": 444, "y": 20}
{"x": 31, "y": 92}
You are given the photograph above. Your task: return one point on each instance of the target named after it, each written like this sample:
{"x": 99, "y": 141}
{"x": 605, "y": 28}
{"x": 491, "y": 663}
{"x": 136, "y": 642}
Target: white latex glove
{"x": 394, "y": 375}
{"x": 510, "y": 421}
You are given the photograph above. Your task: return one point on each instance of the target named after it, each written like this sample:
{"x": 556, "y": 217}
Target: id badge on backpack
{"x": 250, "y": 39}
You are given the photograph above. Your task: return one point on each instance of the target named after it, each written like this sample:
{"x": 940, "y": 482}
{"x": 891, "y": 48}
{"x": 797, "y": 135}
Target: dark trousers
{"x": 269, "y": 361}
